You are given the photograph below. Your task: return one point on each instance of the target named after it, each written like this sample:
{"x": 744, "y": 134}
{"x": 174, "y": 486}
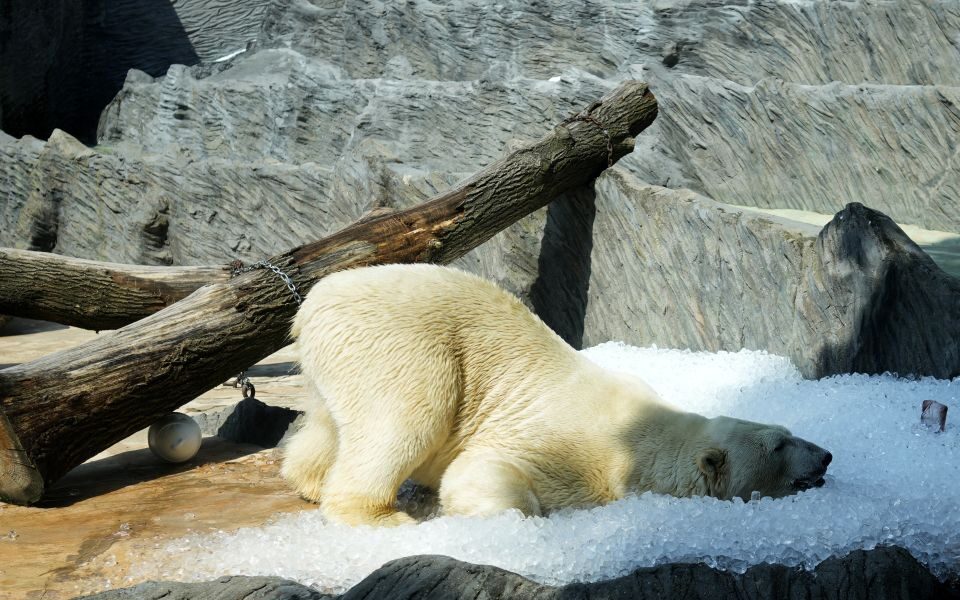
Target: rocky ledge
{"x": 888, "y": 573}
{"x": 676, "y": 269}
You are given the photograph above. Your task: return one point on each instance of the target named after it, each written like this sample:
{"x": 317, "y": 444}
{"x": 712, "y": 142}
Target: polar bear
{"x": 430, "y": 373}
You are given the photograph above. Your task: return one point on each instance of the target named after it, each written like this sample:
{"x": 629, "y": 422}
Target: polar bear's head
{"x": 743, "y": 457}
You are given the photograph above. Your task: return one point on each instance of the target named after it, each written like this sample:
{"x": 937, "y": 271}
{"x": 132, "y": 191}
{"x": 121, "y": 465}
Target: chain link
{"x": 246, "y": 386}
{"x": 243, "y": 382}
{"x": 586, "y": 117}
{"x": 238, "y": 269}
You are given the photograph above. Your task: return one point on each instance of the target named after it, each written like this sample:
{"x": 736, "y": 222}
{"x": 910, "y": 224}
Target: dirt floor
{"x": 124, "y": 502}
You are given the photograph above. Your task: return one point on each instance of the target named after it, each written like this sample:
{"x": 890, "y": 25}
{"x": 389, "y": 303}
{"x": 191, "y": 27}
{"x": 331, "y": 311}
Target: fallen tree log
{"x": 98, "y": 295}
{"x": 58, "y": 411}
{"x": 91, "y": 294}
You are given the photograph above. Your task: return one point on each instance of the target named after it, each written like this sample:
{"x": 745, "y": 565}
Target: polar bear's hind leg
{"x": 310, "y": 452}
{"x": 376, "y": 456}
{"x": 482, "y": 483}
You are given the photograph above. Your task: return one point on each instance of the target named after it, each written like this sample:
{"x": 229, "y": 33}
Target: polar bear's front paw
{"x": 396, "y": 519}
{"x": 365, "y": 514}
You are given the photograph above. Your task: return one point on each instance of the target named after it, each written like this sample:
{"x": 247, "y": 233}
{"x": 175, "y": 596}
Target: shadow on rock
{"x": 559, "y": 294}
{"x": 65, "y": 61}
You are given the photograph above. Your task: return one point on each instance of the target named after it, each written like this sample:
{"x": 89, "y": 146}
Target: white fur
{"x": 432, "y": 373}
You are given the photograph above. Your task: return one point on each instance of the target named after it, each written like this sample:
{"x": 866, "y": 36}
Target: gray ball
{"x": 175, "y": 438}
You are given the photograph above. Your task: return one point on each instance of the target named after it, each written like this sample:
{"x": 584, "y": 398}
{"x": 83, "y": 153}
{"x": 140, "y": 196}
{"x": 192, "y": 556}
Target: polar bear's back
{"x": 419, "y": 320}
{"x": 428, "y": 298}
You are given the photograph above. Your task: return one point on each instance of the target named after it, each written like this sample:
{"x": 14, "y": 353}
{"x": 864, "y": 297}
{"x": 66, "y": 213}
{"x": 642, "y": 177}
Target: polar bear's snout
{"x": 766, "y": 459}
{"x": 815, "y": 461}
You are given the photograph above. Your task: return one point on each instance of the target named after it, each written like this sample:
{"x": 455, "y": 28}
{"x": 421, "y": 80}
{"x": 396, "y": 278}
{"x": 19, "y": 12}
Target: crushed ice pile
{"x": 891, "y": 482}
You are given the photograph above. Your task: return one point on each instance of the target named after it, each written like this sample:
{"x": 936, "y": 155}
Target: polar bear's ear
{"x": 712, "y": 462}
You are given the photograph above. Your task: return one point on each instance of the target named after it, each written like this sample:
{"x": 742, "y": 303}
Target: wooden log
{"x": 99, "y": 295}
{"x": 91, "y": 294}
{"x": 58, "y": 411}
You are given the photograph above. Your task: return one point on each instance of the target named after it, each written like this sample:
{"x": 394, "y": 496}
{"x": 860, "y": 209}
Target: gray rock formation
{"x": 879, "y": 574}
{"x": 817, "y": 148}
{"x": 341, "y": 107}
{"x": 680, "y": 270}
{"x": 249, "y": 421}
{"x": 814, "y": 145}
{"x": 806, "y": 41}
{"x": 899, "y": 309}
{"x": 225, "y": 588}
{"x": 61, "y": 62}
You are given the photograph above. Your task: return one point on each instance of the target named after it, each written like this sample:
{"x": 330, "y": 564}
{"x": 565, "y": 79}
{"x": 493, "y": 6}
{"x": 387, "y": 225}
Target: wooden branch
{"x": 99, "y": 295}
{"x": 64, "y": 408}
{"x": 91, "y": 294}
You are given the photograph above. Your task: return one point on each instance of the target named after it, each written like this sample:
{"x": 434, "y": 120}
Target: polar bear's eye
{"x": 780, "y": 446}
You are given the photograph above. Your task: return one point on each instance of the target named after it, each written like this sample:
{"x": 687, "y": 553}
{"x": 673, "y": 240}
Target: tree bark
{"x": 58, "y": 411}
{"x": 90, "y": 294}
{"x": 99, "y": 295}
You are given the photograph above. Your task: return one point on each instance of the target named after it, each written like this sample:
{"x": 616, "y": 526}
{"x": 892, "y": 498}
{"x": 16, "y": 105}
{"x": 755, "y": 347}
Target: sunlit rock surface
{"x": 336, "y": 108}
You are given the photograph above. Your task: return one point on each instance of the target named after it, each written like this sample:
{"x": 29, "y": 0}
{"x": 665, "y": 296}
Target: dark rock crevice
{"x": 156, "y": 233}
{"x": 43, "y": 216}
{"x": 61, "y": 62}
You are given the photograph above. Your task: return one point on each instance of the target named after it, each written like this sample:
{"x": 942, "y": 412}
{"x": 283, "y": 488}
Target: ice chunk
{"x": 933, "y": 415}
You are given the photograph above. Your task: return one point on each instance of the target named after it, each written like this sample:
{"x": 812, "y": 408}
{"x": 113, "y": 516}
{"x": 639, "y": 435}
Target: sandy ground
{"x": 124, "y": 502}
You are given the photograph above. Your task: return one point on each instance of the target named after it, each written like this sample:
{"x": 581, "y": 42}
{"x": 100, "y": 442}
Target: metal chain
{"x": 587, "y": 118}
{"x": 246, "y": 386}
{"x": 243, "y": 382}
{"x": 238, "y": 268}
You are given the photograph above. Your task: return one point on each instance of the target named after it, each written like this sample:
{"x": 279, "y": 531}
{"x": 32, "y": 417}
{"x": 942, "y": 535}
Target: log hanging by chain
{"x": 62, "y": 409}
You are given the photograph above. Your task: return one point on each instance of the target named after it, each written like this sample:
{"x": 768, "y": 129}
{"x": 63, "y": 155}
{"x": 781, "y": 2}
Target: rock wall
{"x": 799, "y": 140}
{"x": 805, "y": 41}
{"x": 62, "y": 61}
{"x": 339, "y": 107}
{"x": 676, "y": 269}
{"x": 817, "y": 148}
